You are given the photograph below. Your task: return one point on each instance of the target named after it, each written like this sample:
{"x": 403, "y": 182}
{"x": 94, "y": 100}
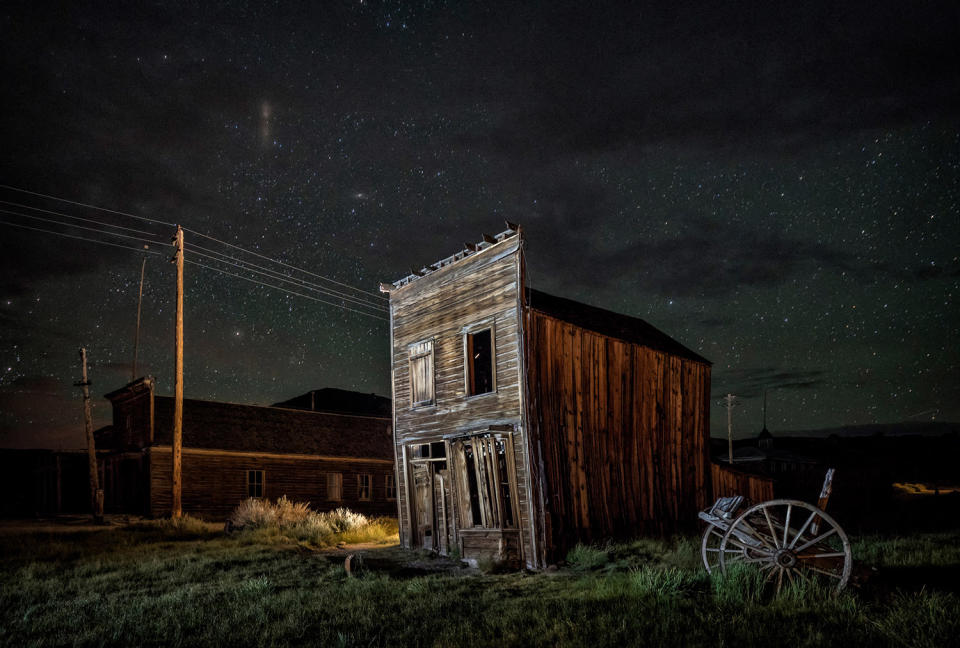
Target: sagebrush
{"x": 297, "y": 521}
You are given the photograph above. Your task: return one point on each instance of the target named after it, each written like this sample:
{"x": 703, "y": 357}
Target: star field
{"x": 777, "y": 188}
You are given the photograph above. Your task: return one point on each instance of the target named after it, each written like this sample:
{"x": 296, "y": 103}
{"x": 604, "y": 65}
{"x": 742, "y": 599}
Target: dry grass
{"x": 284, "y": 519}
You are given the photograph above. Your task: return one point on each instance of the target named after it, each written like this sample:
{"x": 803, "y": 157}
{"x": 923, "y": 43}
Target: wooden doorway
{"x": 433, "y": 525}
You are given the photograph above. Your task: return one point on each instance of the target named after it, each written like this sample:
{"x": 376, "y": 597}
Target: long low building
{"x": 232, "y": 452}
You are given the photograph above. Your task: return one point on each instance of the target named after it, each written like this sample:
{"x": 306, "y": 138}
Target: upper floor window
{"x": 421, "y": 373}
{"x": 254, "y": 483}
{"x": 480, "y": 362}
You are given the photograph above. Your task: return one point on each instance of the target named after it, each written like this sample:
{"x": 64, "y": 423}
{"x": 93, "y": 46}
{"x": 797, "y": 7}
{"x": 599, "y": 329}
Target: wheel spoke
{"x": 816, "y": 540}
{"x": 769, "y": 577}
{"x": 837, "y": 554}
{"x": 746, "y": 548}
{"x": 726, "y": 551}
{"x": 779, "y": 581}
{"x": 773, "y": 534}
{"x": 786, "y": 524}
{"x": 802, "y": 530}
{"x": 824, "y": 572}
{"x": 756, "y": 534}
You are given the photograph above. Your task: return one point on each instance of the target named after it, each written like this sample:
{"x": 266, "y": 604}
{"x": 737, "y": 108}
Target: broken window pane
{"x": 480, "y": 362}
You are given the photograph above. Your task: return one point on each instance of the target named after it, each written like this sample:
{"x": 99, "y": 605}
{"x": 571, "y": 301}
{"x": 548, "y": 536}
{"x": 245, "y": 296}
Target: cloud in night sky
{"x": 750, "y": 382}
{"x": 775, "y": 186}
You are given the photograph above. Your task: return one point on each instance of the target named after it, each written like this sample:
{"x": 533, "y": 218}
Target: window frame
{"x": 338, "y": 478}
{"x": 369, "y": 487}
{"x": 252, "y": 482}
{"x": 390, "y": 486}
{"x": 431, "y": 354}
{"x": 473, "y": 329}
{"x": 487, "y": 496}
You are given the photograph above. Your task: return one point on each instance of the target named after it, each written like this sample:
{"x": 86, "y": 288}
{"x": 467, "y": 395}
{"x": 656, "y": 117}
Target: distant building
{"x": 525, "y": 423}
{"x": 42, "y": 482}
{"x": 231, "y": 452}
{"x": 762, "y": 457}
{"x": 340, "y": 401}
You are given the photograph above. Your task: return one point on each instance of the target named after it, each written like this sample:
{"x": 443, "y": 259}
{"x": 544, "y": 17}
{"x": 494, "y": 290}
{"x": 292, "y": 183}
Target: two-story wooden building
{"x": 233, "y": 451}
{"x": 524, "y": 423}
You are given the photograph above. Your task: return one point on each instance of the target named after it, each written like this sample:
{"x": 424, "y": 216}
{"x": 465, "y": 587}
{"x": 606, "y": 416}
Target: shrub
{"x": 295, "y": 520}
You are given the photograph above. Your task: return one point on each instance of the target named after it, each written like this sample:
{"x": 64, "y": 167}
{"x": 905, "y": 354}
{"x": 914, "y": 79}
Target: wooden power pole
{"x": 136, "y": 337}
{"x": 729, "y": 400}
{"x": 96, "y": 495}
{"x": 176, "y": 508}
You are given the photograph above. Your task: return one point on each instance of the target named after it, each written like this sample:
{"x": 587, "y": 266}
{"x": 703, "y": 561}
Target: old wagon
{"x": 791, "y": 540}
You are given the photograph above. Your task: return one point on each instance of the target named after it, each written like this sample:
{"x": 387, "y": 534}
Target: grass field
{"x": 160, "y": 584}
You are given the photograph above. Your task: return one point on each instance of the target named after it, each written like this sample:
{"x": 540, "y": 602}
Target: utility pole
{"x": 96, "y": 495}
{"x": 136, "y": 338}
{"x": 176, "y": 452}
{"x": 729, "y": 405}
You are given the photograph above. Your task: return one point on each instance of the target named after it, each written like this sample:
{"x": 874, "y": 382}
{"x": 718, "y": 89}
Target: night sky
{"x": 778, "y": 188}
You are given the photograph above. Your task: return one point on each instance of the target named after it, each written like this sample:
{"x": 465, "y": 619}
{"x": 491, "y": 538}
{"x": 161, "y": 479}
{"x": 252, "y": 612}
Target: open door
{"x": 423, "y": 504}
{"x": 433, "y": 522}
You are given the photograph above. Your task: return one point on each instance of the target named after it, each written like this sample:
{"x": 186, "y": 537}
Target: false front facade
{"x": 525, "y": 423}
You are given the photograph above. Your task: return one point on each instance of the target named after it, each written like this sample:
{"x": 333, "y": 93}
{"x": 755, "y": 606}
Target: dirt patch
{"x": 74, "y": 523}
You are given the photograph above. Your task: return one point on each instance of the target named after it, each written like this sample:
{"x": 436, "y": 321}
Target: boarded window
{"x": 364, "y": 487}
{"x": 421, "y": 373}
{"x": 334, "y": 487}
{"x": 254, "y": 483}
{"x": 483, "y": 468}
{"x": 390, "y": 484}
{"x": 480, "y": 368}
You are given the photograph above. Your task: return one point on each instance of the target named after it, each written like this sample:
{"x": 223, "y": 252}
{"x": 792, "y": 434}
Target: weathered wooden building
{"x": 524, "y": 423}
{"x": 231, "y": 452}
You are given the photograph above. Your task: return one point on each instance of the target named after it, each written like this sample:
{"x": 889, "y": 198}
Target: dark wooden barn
{"x": 525, "y": 423}
{"x": 231, "y": 452}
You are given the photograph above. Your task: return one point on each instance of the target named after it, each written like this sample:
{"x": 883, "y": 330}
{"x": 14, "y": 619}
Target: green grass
{"x": 186, "y": 584}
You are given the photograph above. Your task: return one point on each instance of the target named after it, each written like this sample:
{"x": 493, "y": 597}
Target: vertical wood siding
{"x": 623, "y": 432}
{"x": 728, "y": 482}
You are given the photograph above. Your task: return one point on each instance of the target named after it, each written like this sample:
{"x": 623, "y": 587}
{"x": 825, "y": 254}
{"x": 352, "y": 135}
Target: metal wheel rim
{"x": 789, "y": 556}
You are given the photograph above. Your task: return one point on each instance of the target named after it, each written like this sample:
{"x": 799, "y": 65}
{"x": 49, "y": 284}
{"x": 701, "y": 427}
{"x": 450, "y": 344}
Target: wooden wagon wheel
{"x": 710, "y": 549}
{"x": 791, "y": 540}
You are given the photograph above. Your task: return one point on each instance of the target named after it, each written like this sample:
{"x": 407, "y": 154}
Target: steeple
{"x": 764, "y": 439}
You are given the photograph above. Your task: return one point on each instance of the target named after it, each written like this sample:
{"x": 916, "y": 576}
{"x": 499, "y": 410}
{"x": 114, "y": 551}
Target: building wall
{"x": 215, "y": 482}
{"x": 622, "y": 432}
{"x": 728, "y": 482}
{"x": 481, "y": 287}
{"x": 132, "y": 421}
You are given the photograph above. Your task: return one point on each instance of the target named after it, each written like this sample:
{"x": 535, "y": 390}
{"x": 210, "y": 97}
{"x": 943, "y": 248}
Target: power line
{"x": 229, "y": 274}
{"x": 92, "y": 229}
{"x": 284, "y": 278}
{"x": 277, "y": 272}
{"x": 74, "y": 202}
{"x": 289, "y": 292}
{"x": 366, "y": 293}
{"x": 79, "y": 218}
{"x": 256, "y": 254}
{"x": 81, "y": 238}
